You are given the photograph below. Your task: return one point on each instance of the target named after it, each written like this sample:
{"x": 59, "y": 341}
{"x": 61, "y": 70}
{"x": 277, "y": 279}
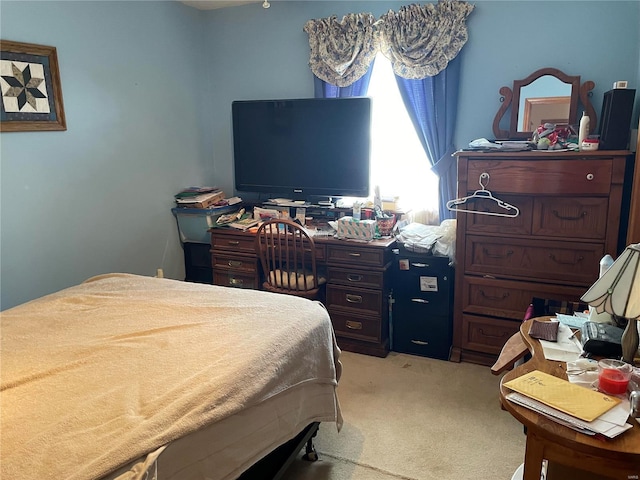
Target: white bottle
{"x": 356, "y": 210}
{"x": 605, "y": 263}
{"x": 583, "y": 131}
{"x": 603, "y": 317}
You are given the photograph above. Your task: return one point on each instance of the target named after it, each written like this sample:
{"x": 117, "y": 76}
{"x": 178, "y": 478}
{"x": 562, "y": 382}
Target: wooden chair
{"x": 288, "y": 257}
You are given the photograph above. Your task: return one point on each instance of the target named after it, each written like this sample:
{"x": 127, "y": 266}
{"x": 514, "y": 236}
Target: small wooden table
{"x": 617, "y": 458}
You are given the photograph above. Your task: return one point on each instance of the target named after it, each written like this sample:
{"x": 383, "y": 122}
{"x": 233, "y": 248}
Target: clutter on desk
{"x": 194, "y": 223}
{"x": 484, "y": 145}
{"x": 544, "y": 330}
{"x": 565, "y": 348}
{"x": 199, "y": 197}
{"x": 437, "y": 239}
{"x": 601, "y": 339}
{"x": 349, "y": 227}
{"x": 550, "y": 136}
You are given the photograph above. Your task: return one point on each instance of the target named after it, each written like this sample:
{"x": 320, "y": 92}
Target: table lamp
{"x": 618, "y": 292}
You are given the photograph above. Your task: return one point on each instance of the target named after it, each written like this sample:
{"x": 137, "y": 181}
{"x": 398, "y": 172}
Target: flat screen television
{"x": 302, "y": 148}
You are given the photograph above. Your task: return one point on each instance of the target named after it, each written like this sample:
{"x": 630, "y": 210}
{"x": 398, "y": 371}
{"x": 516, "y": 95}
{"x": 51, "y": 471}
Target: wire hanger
{"x": 511, "y": 210}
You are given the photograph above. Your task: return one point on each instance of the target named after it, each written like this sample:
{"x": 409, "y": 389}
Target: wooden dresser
{"x": 358, "y": 283}
{"x": 569, "y": 217}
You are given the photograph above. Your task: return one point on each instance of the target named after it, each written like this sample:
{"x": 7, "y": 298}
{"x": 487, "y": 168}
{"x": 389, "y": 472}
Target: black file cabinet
{"x": 422, "y": 320}
{"x": 197, "y": 262}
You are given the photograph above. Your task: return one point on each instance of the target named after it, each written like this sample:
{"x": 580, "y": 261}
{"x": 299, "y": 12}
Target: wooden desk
{"x": 358, "y": 282}
{"x": 618, "y": 458}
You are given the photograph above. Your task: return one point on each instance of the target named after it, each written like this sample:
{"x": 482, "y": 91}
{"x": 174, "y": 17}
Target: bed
{"x": 130, "y": 377}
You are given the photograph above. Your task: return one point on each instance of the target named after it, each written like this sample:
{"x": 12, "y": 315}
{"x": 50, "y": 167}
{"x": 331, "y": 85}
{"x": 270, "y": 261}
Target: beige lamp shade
{"x": 618, "y": 291}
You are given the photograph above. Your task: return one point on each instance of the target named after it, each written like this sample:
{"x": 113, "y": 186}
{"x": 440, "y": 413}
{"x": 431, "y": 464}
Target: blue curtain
{"x": 359, "y": 88}
{"x": 432, "y": 103}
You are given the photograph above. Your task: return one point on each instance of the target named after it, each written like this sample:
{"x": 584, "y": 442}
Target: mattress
{"x": 124, "y": 373}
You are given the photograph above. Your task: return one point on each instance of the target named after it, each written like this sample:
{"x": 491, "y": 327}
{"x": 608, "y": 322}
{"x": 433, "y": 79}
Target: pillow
{"x": 294, "y": 280}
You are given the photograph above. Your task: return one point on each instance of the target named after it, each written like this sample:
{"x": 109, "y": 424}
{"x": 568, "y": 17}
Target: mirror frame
{"x": 512, "y": 98}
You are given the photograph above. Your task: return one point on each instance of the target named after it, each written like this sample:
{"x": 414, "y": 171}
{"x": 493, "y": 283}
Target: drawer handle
{"x": 492, "y": 297}
{"x": 590, "y": 176}
{"x": 233, "y": 243}
{"x": 354, "y": 298}
{"x": 354, "y": 254}
{"x": 352, "y": 277}
{"x": 419, "y": 300}
{"x": 235, "y": 281}
{"x": 419, "y": 342}
{"x": 234, "y": 263}
{"x": 563, "y": 217}
{"x": 497, "y": 255}
{"x": 561, "y": 262}
{"x": 419, "y": 265}
{"x": 354, "y": 325}
{"x": 490, "y": 335}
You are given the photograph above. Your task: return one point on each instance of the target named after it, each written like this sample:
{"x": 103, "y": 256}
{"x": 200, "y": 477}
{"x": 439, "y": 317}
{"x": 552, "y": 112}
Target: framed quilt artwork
{"x": 31, "y": 91}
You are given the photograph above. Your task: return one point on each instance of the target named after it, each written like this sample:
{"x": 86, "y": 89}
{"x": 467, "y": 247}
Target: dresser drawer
{"x": 486, "y": 335}
{"x": 355, "y": 277}
{"x": 543, "y": 177}
{"x": 359, "y": 327}
{"x": 234, "y": 243}
{"x": 343, "y": 255}
{"x": 228, "y": 278}
{"x": 357, "y": 300}
{"x": 509, "y": 299}
{"x": 236, "y": 263}
{"x": 571, "y": 217}
{"x": 520, "y": 225}
{"x": 533, "y": 259}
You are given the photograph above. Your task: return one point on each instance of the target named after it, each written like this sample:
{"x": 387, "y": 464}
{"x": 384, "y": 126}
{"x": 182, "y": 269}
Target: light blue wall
{"x": 97, "y": 197}
{"x": 148, "y": 88}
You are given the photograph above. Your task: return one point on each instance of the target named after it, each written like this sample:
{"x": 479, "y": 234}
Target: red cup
{"x": 613, "y": 376}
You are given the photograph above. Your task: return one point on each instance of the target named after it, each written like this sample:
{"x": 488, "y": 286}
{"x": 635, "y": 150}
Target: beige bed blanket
{"x": 105, "y": 372}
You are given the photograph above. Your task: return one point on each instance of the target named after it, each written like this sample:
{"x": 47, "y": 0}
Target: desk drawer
{"x": 355, "y": 277}
{"x": 533, "y": 259}
{"x": 357, "y": 300}
{"x": 227, "y": 278}
{"x": 235, "y": 262}
{"x": 343, "y": 255}
{"x": 487, "y": 335}
{"x": 359, "y": 327}
{"x": 234, "y": 243}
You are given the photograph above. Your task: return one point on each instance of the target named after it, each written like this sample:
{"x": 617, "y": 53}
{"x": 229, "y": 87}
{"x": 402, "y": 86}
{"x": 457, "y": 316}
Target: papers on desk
{"x": 608, "y": 424}
{"x": 562, "y": 395}
{"x": 573, "y": 321}
{"x": 567, "y": 348}
{"x": 586, "y": 411}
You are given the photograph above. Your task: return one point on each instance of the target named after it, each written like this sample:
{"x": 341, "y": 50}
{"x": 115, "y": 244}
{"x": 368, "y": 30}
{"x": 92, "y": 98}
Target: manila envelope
{"x": 563, "y": 395}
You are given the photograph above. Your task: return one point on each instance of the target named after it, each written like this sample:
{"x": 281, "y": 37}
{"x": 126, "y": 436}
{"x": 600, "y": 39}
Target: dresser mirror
{"x": 547, "y": 95}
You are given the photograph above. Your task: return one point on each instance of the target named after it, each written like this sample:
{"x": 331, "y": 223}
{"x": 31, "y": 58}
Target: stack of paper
{"x": 584, "y": 410}
{"x": 199, "y": 197}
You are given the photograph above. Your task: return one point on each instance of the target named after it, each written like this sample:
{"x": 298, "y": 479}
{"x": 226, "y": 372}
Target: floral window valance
{"x": 419, "y": 40}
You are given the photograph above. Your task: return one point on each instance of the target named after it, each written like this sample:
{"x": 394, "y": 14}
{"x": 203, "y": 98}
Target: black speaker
{"x": 615, "y": 120}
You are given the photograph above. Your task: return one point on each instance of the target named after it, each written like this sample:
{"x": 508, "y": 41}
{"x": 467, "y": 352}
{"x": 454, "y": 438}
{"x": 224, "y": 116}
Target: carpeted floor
{"x": 416, "y": 418}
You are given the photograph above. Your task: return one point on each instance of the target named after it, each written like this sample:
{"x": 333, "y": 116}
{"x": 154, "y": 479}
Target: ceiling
{"x": 212, "y": 4}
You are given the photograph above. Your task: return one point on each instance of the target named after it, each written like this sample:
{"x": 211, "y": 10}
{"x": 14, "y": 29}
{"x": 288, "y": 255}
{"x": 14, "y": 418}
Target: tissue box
{"x": 348, "y": 227}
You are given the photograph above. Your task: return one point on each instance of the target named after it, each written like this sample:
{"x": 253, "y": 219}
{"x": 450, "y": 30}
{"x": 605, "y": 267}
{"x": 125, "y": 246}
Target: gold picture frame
{"x": 30, "y": 84}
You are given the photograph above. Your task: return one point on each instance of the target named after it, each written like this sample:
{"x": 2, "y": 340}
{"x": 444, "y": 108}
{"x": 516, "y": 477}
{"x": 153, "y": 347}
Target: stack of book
{"x": 199, "y": 197}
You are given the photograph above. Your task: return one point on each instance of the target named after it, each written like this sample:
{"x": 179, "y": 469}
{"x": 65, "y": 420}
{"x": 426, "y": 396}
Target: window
{"x": 399, "y": 164}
